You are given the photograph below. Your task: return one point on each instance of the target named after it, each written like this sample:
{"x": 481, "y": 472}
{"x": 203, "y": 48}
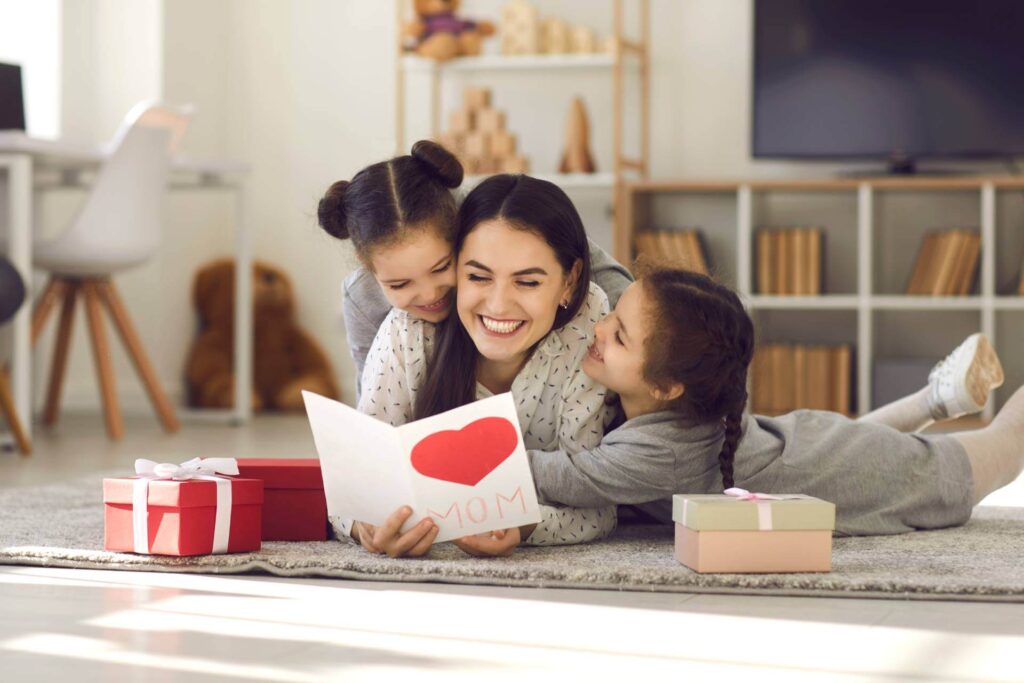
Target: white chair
{"x": 118, "y": 227}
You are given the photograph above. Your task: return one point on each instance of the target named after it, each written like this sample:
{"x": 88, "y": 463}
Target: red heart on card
{"x": 468, "y": 455}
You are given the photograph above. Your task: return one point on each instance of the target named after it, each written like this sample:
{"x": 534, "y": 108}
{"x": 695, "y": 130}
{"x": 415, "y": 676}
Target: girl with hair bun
{"x": 400, "y": 215}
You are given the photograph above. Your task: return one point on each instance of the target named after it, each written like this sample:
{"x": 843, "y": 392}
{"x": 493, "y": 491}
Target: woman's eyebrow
{"x": 477, "y": 264}
{"x": 526, "y": 271}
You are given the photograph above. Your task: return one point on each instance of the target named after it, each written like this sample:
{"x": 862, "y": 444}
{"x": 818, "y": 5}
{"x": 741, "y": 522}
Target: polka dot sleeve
{"x": 580, "y": 426}
{"x": 394, "y": 368}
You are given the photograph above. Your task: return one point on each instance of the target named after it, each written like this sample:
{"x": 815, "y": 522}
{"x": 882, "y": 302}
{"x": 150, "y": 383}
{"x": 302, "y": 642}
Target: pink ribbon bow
{"x": 743, "y": 494}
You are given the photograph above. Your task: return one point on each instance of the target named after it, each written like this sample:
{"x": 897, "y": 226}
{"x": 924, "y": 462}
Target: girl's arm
{"x": 364, "y": 308}
{"x": 623, "y": 469}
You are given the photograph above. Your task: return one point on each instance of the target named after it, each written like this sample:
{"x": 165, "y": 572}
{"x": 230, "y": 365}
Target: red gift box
{"x": 294, "y": 504}
{"x": 182, "y": 516}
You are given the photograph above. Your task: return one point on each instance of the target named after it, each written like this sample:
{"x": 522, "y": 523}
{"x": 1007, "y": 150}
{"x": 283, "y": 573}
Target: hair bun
{"x": 330, "y": 212}
{"x": 440, "y": 161}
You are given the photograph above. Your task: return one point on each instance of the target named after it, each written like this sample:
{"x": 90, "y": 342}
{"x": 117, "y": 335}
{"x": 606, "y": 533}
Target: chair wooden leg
{"x": 138, "y": 355}
{"x": 104, "y": 367}
{"x": 7, "y": 407}
{"x": 53, "y": 293}
{"x": 60, "y": 354}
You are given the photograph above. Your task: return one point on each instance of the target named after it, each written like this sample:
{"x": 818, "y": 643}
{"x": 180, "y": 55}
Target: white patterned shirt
{"x": 559, "y": 406}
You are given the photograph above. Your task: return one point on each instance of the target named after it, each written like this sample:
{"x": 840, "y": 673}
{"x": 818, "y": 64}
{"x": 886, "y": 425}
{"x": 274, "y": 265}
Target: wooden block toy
{"x": 490, "y": 120}
{"x": 451, "y": 142}
{"x": 477, "y": 144}
{"x": 515, "y": 164}
{"x": 488, "y": 165}
{"x": 460, "y": 121}
{"x": 475, "y": 99}
{"x": 554, "y": 36}
{"x": 581, "y": 39}
{"x": 520, "y": 28}
{"x": 503, "y": 144}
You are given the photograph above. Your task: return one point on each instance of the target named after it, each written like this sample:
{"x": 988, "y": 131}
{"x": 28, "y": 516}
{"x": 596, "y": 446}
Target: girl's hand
{"x": 387, "y": 539}
{"x": 501, "y": 543}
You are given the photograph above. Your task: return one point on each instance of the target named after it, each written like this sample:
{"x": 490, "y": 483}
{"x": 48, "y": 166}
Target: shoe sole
{"x": 985, "y": 372}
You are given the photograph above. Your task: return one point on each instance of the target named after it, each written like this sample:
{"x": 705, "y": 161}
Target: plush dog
{"x": 286, "y": 360}
{"x": 440, "y": 35}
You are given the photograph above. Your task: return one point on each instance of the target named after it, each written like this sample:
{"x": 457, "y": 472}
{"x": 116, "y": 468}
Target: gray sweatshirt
{"x": 881, "y": 480}
{"x": 365, "y": 307}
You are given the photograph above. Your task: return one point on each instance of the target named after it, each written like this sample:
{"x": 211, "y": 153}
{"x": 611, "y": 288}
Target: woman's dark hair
{"x": 524, "y": 203}
{"x": 382, "y": 199}
{"x": 704, "y": 340}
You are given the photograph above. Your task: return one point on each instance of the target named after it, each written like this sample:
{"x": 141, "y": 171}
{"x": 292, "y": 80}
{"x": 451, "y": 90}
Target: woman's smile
{"x": 497, "y": 327}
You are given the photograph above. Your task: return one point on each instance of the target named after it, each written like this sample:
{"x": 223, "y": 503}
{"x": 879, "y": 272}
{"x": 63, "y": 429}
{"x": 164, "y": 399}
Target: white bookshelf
{"x": 415, "y": 64}
{"x": 873, "y": 229}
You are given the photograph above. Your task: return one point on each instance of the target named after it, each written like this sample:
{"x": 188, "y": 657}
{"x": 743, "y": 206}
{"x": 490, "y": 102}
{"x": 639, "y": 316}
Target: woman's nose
{"x": 498, "y": 298}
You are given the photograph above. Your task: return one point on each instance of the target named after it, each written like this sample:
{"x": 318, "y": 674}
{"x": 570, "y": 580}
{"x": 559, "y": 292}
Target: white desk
{"x": 25, "y": 160}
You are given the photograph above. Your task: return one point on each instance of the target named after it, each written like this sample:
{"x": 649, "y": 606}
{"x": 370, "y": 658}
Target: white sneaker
{"x": 960, "y": 384}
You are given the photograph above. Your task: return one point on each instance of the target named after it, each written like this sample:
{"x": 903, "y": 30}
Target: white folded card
{"x": 465, "y": 468}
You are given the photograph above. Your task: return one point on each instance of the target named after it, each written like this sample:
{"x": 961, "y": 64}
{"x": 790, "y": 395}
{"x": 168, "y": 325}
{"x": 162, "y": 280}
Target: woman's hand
{"x": 501, "y": 543}
{"x": 388, "y": 540}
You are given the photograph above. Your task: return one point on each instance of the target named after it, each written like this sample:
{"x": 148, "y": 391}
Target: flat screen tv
{"x": 896, "y": 80}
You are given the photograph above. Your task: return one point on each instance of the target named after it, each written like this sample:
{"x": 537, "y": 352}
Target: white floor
{"x": 104, "y": 625}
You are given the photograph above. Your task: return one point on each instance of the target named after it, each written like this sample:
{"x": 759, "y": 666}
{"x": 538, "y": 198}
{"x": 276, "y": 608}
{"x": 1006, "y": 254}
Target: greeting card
{"x": 465, "y": 468}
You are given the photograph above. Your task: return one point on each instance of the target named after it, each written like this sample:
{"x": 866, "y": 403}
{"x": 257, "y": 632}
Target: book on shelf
{"x": 685, "y": 249}
{"x": 946, "y": 264}
{"x": 787, "y": 377}
{"x": 789, "y": 261}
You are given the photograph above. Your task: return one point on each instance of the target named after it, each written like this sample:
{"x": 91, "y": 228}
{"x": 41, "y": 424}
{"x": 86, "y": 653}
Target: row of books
{"x": 681, "y": 248}
{"x": 789, "y": 261}
{"x": 787, "y": 377}
{"x": 946, "y": 263}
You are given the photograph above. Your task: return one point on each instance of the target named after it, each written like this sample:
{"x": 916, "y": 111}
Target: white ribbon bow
{"x": 196, "y": 468}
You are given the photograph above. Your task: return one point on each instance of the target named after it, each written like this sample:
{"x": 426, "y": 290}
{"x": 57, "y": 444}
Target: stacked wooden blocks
{"x": 478, "y": 136}
{"x": 523, "y": 32}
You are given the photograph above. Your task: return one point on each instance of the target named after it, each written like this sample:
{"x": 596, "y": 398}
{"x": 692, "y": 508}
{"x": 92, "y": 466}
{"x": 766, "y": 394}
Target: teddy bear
{"x": 286, "y": 359}
{"x": 440, "y": 35}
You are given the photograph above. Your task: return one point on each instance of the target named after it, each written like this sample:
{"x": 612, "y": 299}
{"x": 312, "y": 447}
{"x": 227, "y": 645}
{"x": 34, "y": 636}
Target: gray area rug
{"x": 61, "y": 525}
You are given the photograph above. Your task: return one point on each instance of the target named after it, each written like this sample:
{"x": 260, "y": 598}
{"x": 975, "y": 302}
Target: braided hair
{"x": 704, "y": 340}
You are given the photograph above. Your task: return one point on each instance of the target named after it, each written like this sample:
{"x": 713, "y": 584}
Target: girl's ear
{"x": 571, "y": 281}
{"x": 671, "y": 393}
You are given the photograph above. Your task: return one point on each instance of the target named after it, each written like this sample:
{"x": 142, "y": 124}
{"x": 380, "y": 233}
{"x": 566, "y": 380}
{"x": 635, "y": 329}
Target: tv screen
{"x": 898, "y": 79}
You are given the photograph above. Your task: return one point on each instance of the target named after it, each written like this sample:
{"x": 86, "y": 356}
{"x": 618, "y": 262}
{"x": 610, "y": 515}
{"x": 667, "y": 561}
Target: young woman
{"x": 676, "y": 350}
{"x": 525, "y": 316}
{"x": 400, "y": 216}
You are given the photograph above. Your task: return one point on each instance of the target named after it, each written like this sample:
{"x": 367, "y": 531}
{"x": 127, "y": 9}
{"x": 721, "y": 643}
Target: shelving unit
{"x": 874, "y": 227}
{"x": 628, "y": 52}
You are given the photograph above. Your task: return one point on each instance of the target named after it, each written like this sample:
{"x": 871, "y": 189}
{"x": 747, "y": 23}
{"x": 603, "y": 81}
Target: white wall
{"x": 303, "y": 91}
{"x": 30, "y": 36}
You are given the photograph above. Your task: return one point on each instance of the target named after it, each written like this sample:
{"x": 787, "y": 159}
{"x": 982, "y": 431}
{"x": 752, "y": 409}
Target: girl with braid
{"x": 677, "y": 348}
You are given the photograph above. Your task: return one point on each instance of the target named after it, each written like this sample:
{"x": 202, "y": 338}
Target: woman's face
{"x": 510, "y": 287}
{"x": 417, "y": 273}
{"x": 616, "y": 358}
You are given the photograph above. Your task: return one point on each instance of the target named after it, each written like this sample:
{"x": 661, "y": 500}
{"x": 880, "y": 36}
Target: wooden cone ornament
{"x": 577, "y": 158}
